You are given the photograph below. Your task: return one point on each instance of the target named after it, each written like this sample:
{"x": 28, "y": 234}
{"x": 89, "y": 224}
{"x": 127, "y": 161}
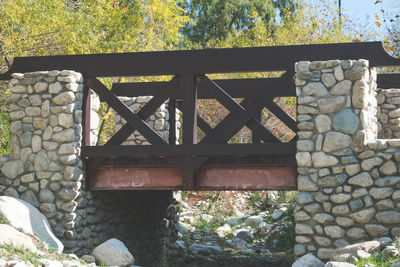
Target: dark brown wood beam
{"x": 236, "y": 88}
{"x": 189, "y": 150}
{"x": 225, "y": 60}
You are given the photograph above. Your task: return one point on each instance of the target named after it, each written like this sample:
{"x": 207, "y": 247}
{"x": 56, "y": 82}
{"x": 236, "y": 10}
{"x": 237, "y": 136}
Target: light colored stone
{"x": 36, "y": 143}
{"x": 338, "y": 264}
{"x": 360, "y": 94}
{"x": 323, "y": 218}
{"x": 324, "y": 253}
{"x": 322, "y": 123}
{"x": 388, "y": 217}
{"x": 341, "y": 88}
{"x": 114, "y": 253}
{"x": 64, "y": 98}
{"x": 55, "y": 88}
{"x": 340, "y": 198}
{"x": 11, "y": 169}
{"x": 67, "y": 135}
{"x": 10, "y": 236}
{"x": 335, "y": 141}
{"x": 344, "y": 221}
{"x": 303, "y": 229}
{"x": 305, "y": 184}
{"x": 303, "y": 159}
{"x": 301, "y": 216}
{"x": 23, "y": 215}
{"x": 346, "y": 121}
{"x": 356, "y": 233}
{"x": 388, "y": 168}
{"x": 369, "y": 164}
{"x": 381, "y": 193}
{"x": 331, "y": 104}
{"x": 204, "y": 249}
{"x": 65, "y": 120}
{"x": 315, "y": 89}
{"x": 305, "y": 145}
{"x": 254, "y": 221}
{"x": 41, "y": 161}
{"x": 394, "y": 113}
{"x": 376, "y": 230}
{"x": 363, "y": 179}
{"x": 328, "y": 79}
{"x": 369, "y": 247}
{"x": 40, "y": 87}
{"x": 363, "y": 216}
{"x": 320, "y": 160}
{"x": 334, "y": 231}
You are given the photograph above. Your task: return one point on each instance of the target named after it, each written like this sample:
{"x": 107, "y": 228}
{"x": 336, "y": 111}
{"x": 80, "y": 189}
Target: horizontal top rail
{"x": 225, "y": 60}
{"x": 190, "y": 150}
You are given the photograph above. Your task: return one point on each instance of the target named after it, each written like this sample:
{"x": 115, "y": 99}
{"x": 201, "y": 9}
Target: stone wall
{"x": 158, "y": 121}
{"x": 44, "y": 168}
{"x": 388, "y": 113}
{"x": 348, "y": 179}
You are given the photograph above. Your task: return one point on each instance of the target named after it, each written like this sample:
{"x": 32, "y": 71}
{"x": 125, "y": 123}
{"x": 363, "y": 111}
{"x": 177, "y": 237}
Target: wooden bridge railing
{"x": 185, "y": 89}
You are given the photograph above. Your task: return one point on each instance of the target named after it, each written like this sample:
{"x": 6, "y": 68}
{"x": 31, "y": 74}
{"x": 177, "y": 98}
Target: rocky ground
{"x": 234, "y": 229}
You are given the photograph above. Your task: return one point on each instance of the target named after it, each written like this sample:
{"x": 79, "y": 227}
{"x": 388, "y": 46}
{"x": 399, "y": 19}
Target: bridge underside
{"x": 128, "y": 174}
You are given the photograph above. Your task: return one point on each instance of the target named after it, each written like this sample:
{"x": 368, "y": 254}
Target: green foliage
{"x": 10, "y": 252}
{"x": 284, "y": 238}
{"x": 378, "y": 260}
{"x": 3, "y": 220}
{"x": 217, "y": 19}
{"x": 259, "y": 200}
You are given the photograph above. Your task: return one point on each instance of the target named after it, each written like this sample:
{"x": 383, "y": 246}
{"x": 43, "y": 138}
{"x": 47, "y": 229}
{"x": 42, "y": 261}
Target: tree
{"x": 216, "y": 19}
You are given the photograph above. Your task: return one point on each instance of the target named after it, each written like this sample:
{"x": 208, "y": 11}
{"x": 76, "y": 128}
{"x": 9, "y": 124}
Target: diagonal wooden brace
{"x": 241, "y": 114}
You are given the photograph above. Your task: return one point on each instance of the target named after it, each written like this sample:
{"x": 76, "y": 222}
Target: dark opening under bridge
{"x": 211, "y": 163}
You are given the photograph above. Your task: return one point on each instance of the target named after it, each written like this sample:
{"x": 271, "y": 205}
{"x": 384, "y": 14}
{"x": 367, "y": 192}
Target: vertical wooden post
{"x": 256, "y": 139}
{"x": 189, "y": 93}
{"x": 172, "y": 121}
{"x": 86, "y": 106}
{"x": 189, "y": 126}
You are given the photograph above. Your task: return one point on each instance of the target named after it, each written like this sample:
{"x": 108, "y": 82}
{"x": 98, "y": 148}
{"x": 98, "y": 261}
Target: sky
{"x": 362, "y": 12}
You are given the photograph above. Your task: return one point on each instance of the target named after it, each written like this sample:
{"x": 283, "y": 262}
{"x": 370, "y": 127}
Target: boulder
{"x": 10, "y": 236}
{"x": 338, "y": 264}
{"x": 254, "y": 221}
{"x": 113, "y": 253}
{"x": 204, "y": 249}
{"x": 308, "y": 260}
{"x": 351, "y": 250}
{"x": 23, "y": 215}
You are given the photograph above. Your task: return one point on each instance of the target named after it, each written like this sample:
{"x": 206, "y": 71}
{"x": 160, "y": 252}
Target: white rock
{"x": 23, "y": 215}
{"x": 10, "y": 236}
{"x": 11, "y": 169}
{"x": 338, "y": 264}
{"x": 254, "y": 221}
{"x": 114, "y": 253}
{"x": 308, "y": 260}
{"x": 320, "y": 159}
{"x": 204, "y": 249}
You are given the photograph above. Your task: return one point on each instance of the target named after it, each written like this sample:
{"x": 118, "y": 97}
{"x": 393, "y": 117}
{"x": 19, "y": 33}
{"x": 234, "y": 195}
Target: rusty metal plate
{"x": 136, "y": 179}
{"x": 208, "y": 178}
{"x": 247, "y": 178}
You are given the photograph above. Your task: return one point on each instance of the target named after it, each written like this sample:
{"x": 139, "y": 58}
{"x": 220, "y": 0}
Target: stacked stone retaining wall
{"x": 388, "y": 113}
{"x": 44, "y": 168}
{"x": 348, "y": 178}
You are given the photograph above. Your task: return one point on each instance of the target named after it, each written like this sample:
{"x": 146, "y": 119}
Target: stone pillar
{"x": 44, "y": 168}
{"x": 337, "y": 202}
